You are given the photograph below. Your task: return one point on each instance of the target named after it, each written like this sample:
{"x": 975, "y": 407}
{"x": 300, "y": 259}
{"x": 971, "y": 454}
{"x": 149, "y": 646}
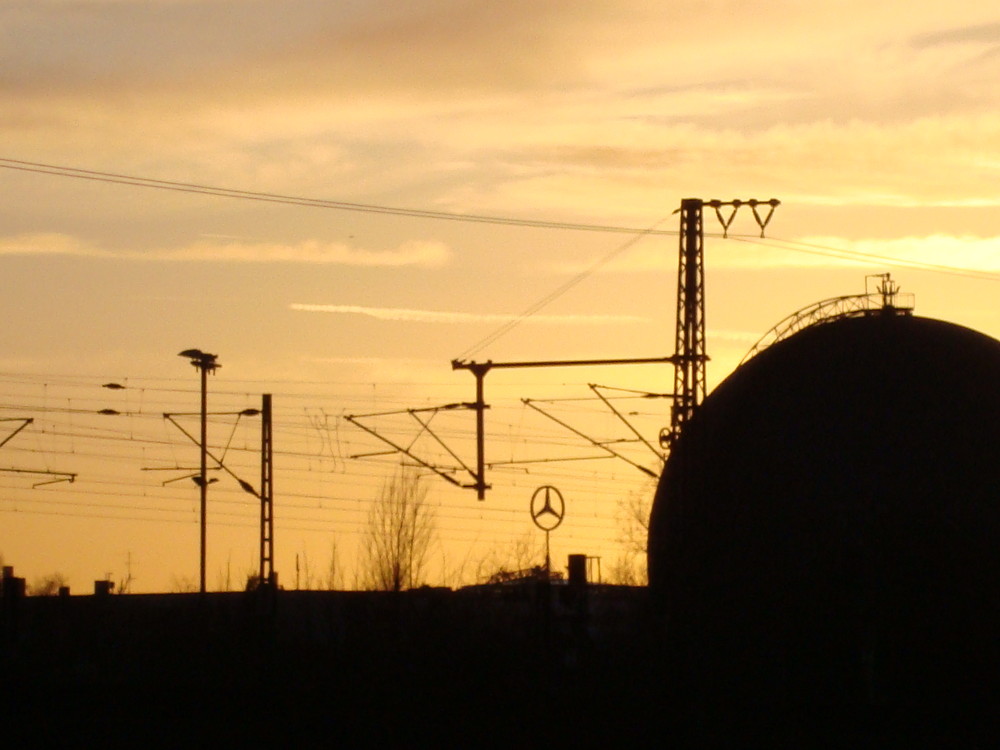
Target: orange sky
{"x": 875, "y": 123}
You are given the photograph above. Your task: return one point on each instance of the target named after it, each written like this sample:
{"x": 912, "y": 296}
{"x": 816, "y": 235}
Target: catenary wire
{"x": 812, "y": 248}
{"x": 187, "y": 187}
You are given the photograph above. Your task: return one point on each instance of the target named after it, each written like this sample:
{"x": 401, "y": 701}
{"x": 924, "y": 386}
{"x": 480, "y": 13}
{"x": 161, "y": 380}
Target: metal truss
{"x": 885, "y": 300}
{"x": 689, "y": 361}
{"x": 424, "y": 416}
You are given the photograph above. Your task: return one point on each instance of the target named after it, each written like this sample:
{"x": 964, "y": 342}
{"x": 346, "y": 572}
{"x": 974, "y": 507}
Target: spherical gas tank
{"x": 827, "y": 527}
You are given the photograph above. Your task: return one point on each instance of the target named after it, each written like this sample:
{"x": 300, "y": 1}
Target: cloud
{"x": 263, "y": 47}
{"x": 514, "y": 107}
{"x": 416, "y": 253}
{"x": 49, "y": 243}
{"x": 947, "y": 160}
{"x": 437, "y": 316}
{"x": 985, "y": 33}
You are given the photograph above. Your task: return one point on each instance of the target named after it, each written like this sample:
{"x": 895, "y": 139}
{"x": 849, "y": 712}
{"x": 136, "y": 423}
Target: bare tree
{"x": 334, "y": 575}
{"x": 519, "y": 558}
{"x": 224, "y": 578}
{"x": 633, "y": 527}
{"x": 125, "y": 583}
{"x": 183, "y": 584}
{"x": 397, "y": 540}
{"x": 307, "y": 577}
{"x": 47, "y": 585}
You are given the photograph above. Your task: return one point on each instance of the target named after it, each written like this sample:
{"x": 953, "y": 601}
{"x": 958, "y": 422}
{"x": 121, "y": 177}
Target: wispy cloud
{"x": 412, "y": 253}
{"x": 49, "y": 243}
{"x": 983, "y": 33}
{"x": 439, "y": 316}
{"x": 583, "y": 120}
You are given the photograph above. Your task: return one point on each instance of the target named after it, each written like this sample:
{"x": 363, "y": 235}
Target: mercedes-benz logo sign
{"x": 547, "y": 507}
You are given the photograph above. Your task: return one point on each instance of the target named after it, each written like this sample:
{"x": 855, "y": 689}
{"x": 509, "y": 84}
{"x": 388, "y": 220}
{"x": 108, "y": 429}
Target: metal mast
{"x": 689, "y": 370}
{"x": 690, "y": 384}
{"x": 204, "y": 363}
{"x": 480, "y": 369}
{"x": 266, "y": 496}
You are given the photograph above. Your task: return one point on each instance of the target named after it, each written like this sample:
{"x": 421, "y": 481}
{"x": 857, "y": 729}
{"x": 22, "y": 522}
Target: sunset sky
{"x": 877, "y": 125}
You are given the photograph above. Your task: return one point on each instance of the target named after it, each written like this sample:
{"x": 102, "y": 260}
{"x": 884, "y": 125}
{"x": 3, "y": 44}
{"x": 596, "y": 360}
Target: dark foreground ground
{"x": 488, "y": 667}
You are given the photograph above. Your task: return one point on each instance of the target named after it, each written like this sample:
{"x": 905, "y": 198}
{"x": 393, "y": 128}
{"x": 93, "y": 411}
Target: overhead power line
{"x": 198, "y": 188}
{"x": 856, "y": 256}
{"x": 294, "y": 200}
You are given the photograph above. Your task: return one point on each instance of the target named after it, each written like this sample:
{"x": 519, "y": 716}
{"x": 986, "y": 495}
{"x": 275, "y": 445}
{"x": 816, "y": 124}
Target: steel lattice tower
{"x": 266, "y": 495}
{"x": 689, "y": 370}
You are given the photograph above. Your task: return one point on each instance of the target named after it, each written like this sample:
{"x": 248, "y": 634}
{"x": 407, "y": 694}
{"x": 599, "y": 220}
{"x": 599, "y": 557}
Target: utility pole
{"x": 204, "y": 363}
{"x": 267, "y": 576}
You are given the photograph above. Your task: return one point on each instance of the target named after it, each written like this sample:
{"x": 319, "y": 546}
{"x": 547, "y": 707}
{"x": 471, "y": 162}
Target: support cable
{"x": 559, "y": 291}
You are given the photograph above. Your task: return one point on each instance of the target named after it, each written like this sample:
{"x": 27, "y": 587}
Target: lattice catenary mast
{"x": 690, "y": 356}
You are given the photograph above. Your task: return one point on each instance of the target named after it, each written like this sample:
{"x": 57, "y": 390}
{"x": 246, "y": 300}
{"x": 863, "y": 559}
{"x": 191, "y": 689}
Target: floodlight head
{"x": 201, "y": 360}
{"x": 247, "y": 487}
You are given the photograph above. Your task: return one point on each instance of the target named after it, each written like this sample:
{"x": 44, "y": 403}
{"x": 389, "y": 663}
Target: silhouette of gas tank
{"x": 825, "y": 531}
